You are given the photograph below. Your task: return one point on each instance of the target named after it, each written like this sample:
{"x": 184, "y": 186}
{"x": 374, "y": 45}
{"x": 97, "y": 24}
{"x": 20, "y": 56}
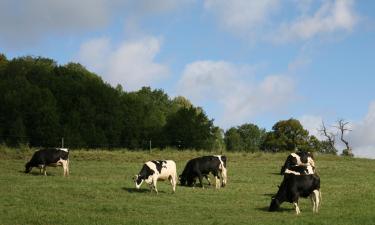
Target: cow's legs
{"x": 217, "y": 180}
{"x": 200, "y": 177}
{"x": 44, "y": 171}
{"x": 172, "y": 179}
{"x": 208, "y": 179}
{"x": 223, "y": 176}
{"x": 315, "y": 197}
{"x": 296, "y": 207}
{"x": 154, "y": 180}
{"x": 65, "y": 167}
{"x": 313, "y": 201}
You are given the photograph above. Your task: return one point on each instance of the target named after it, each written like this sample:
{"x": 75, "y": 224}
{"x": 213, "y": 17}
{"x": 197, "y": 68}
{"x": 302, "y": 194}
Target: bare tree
{"x": 342, "y": 126}
{"x": 331, "y": 137}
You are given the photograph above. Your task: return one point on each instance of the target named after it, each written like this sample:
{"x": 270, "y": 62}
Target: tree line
{"x": 41, "y": 101}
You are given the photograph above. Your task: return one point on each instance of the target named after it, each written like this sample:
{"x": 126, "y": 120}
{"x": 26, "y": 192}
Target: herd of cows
{"x": 300, "y": 178}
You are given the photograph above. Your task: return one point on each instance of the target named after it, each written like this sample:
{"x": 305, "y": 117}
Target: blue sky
{"x": 243, "y": 61}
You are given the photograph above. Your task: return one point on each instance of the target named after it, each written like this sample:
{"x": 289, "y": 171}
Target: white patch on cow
{"x": 65, "y": 165}
{"x": 288, "y": 171}
{"x": 63, "y": 149}
{"x": 223, "y": 171}
{"x": 299, "y": 162}
{"x": 297, "y": 208}
{"x": 310, "y": 169}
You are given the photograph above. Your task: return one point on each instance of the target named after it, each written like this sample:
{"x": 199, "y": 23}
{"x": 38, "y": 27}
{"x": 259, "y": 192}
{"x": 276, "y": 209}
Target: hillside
{"x": 100, "y": 191}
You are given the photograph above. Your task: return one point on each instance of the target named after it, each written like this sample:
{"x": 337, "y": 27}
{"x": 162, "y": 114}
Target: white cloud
{"x": 131, "y": 63}
{"x": 265, "y": 20}
{"x": 331, "y": 17}
{"x": 241, "y": 16}
{"x": 235, "y": 90}
{"x": 361, "y": 137}
{"x": 25, "y": 21}
{"x": 313, "y": 124}
{"x": 28, "y": 22}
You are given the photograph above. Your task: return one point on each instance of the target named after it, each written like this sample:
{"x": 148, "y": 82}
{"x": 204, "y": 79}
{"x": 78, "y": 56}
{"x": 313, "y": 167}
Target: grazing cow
{"x": 155, "y": 170}
{"x": 200, "y": 167}
{"x": 295, "y": 186}
{"x": 298, "y": 158}
{"x": 49, "y": 157}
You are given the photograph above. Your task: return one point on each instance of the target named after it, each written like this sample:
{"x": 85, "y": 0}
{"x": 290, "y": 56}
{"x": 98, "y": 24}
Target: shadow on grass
{"x": 276, "y": 174}
{"x": 269, "y": 194}
{"x": 142, "y": 190}
{"x": 265, "y": 209}
{"x": 36, "y": 173}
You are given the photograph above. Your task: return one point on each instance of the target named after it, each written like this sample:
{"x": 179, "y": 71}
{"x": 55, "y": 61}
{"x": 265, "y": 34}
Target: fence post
{"x": 150, "y": 145}
{"x": 62, "y": 142}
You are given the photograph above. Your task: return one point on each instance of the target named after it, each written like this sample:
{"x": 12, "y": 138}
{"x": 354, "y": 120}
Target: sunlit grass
{"x": 100, "y": 191}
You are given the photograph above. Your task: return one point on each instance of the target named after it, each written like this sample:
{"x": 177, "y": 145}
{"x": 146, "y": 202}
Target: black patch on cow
{"x": 159, "y": 164}
{"x": 144, "y": 173}
{"x": 303, "y": 155}
{"x": 224, "y": 159}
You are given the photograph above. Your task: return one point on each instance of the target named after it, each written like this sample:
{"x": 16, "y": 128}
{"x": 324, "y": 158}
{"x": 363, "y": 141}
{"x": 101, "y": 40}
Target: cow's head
{"x": 182, "y": 180}
{"x": 28, "y": 167}
{"x": 138, "y": 180}
{"x": 275, "y": 204}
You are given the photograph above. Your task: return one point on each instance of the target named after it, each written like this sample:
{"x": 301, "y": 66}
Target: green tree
{"x": 247, "y": 137}
{"x": 286, "y": 135}
{"x": 189, "y": 128}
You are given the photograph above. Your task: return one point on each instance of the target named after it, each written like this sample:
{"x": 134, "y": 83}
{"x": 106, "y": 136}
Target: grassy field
{"x": 100, "y": 190}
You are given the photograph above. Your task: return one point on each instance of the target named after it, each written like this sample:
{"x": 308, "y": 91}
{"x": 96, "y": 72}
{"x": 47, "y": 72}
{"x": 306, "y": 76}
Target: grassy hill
{"x": 100, "y": 190}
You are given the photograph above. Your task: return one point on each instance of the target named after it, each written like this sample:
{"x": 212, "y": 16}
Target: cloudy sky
{"x": 243, "y": 61}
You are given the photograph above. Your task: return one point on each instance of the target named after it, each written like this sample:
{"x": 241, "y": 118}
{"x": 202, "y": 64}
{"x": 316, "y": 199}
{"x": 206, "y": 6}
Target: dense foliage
{"x": 289, "y": 135}
{"x": 247, "y": 137}
{"x": 41, "y": 102}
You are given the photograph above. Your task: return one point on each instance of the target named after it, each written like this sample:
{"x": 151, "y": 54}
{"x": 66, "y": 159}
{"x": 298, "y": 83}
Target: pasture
{"x": 100, "y": 190}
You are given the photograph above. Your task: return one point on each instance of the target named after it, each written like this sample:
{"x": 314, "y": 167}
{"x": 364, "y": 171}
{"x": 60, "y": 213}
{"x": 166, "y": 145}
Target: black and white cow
{"x": 49, "y": 157}
{"x": 200, "y": 167}
{"x": 155, "y": 170}
{"x": 298, "y": 158}
{"x": 295, "y": 186}
{"x": 300, "y": 170}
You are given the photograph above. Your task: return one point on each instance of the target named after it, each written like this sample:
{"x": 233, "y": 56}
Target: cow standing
{"x": 298, "y": 158}
{"x": 155, "y": 170}
{"x": 200, "y": 167}
{"x": 295, "y": 186}
{"x": 49, "y": 157}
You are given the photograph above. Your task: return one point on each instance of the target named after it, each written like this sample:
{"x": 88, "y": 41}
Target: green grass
{"x": 100, "y": 190}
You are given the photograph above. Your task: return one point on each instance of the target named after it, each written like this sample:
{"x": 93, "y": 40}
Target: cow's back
{"x": 48, "y": 156}
{"x": 168, "y": 170}
{"x": 304, "y": 185}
